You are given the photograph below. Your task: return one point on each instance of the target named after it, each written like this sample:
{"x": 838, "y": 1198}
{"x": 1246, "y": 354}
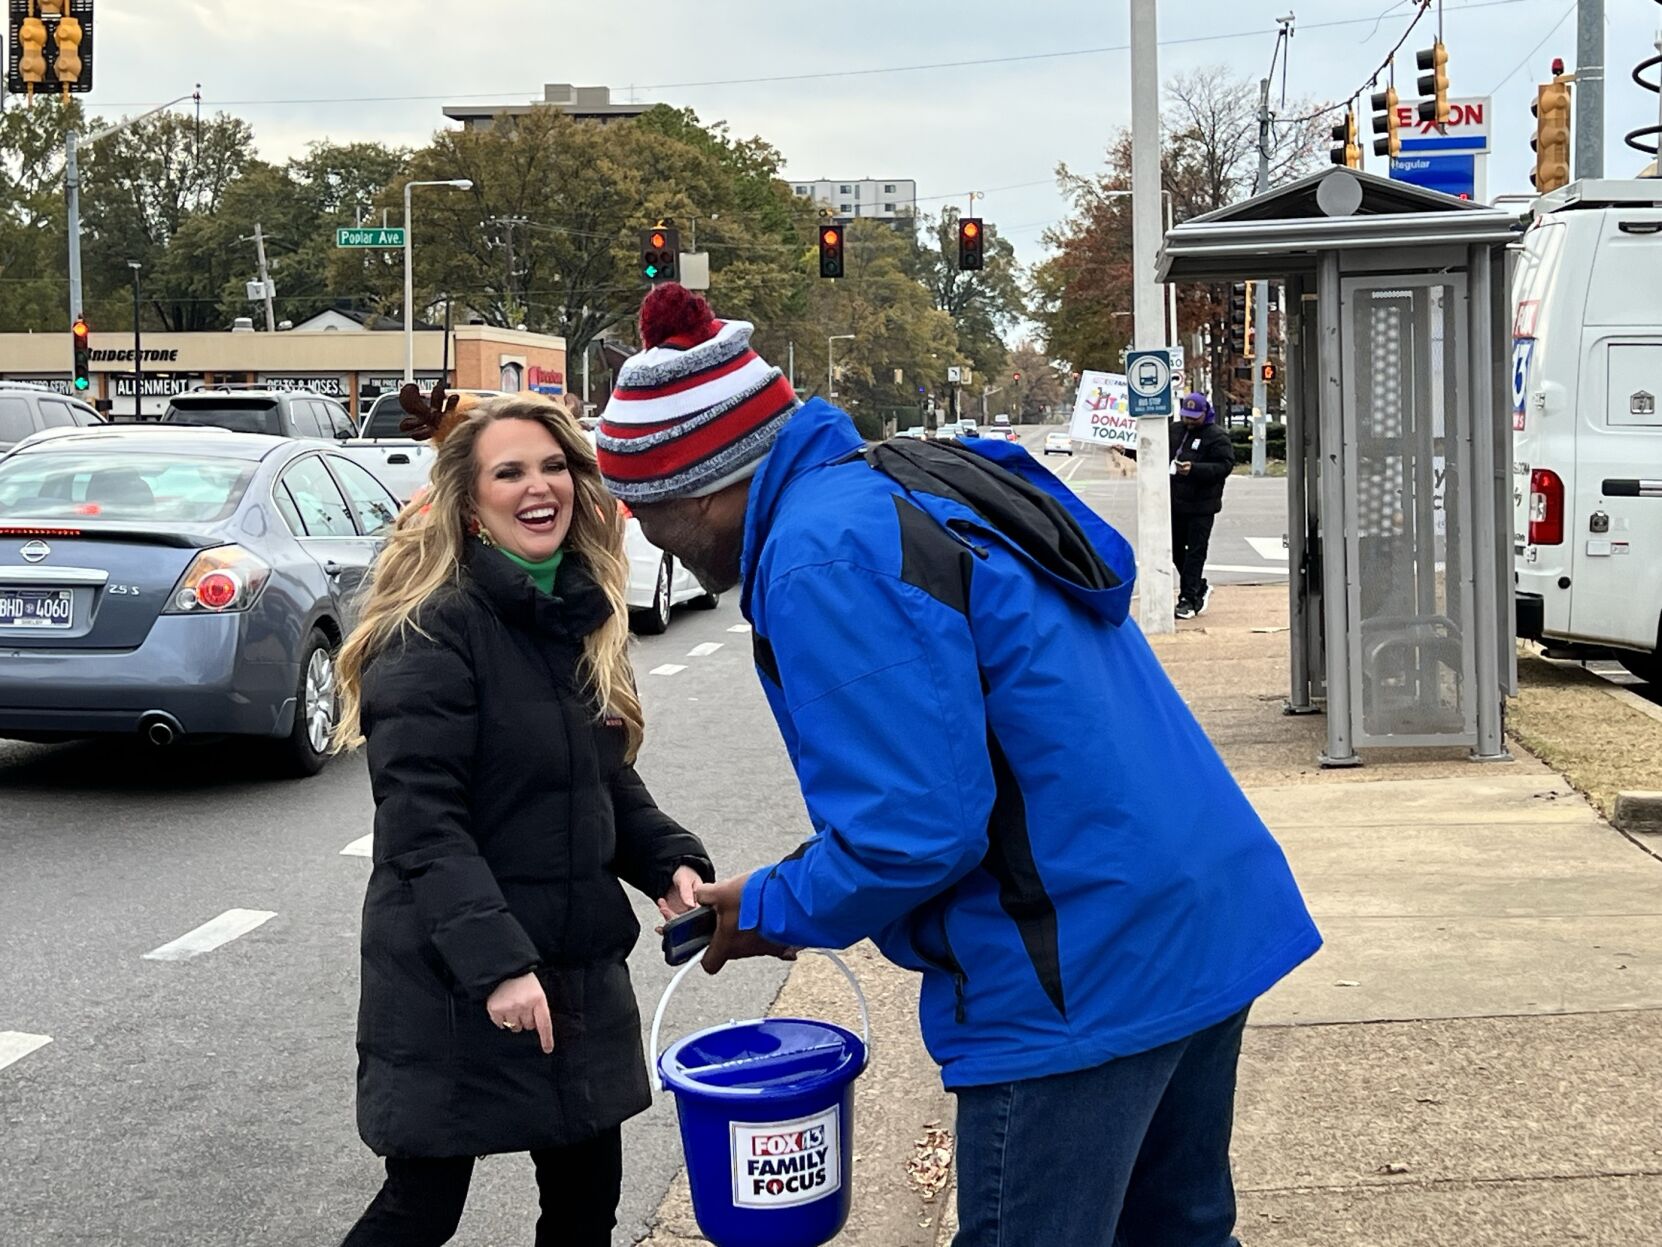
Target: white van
{"x": 1587, "y": 420}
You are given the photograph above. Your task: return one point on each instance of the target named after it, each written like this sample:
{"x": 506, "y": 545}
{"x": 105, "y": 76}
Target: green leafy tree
{"x": 34, "y": 283}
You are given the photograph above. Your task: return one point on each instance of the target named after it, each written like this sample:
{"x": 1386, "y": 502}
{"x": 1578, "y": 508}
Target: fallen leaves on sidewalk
{"x": 930, "y": 1168}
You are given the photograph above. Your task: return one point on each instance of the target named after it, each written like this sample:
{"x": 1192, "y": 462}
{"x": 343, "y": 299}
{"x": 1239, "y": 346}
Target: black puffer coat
{"x": 1211, "y": 456}
{"x": 505, "y": 816}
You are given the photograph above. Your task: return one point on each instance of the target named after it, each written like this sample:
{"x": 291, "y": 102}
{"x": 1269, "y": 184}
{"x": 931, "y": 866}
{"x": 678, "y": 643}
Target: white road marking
{"x": 1072, "y": 470}
{"x": 211, "y": 934}
{"x": 359, "y": 847}
{"x": 1269, "y": 548}
{"x": 15, "y": 1045}
{"x": 1245, "y": 569}
{"x": 704, "y": 650}
{"x": 740, "y": 628}
{"x": 668, "y": 668}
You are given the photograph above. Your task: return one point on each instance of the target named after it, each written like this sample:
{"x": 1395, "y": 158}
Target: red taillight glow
{"x": 1546, "y": 508}
{"x": 40, "y": 532}
{"x": 217, "y": 590}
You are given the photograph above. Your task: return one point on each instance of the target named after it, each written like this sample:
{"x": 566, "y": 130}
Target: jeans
{"x": 421, "y": 1203}
{"x": 1190, "y": 537}
{"x": 1134, "y": 1153}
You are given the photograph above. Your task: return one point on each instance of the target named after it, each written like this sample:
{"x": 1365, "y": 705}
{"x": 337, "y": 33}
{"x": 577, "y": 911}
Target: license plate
{"x": 37, "y": 608}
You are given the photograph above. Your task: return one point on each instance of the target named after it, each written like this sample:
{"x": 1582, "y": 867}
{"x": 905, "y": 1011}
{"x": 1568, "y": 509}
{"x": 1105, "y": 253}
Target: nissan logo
{"x": 35, "y": 551}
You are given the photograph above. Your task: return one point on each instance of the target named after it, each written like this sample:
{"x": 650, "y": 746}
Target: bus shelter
{"x": 1397, "y": 325}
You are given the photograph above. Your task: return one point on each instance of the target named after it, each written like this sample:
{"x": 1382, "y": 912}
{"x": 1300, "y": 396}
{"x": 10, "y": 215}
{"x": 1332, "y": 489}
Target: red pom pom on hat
{"x": 674, "y": 314}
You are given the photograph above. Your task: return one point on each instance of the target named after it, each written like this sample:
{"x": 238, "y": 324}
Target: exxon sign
{"x": 1468, "y": 127}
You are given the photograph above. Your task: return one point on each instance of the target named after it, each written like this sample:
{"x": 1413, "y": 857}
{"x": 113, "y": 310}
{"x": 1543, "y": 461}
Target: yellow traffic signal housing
{"x": 1552, "y": 135}
{"x": 1386, "y": 123}
{"x": 66, "y": 66}
{"x": 1347, "y": 144}
{"x": 1433, "y": 65}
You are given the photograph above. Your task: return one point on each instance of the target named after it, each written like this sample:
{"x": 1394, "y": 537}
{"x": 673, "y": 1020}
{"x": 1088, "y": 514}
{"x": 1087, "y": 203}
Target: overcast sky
{"x": 998, "y": 128}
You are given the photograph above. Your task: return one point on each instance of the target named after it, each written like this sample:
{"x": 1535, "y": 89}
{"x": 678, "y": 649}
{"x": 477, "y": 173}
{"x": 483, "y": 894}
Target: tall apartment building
{"x": 584, "y": 103}
{"x": 890, "y": 199}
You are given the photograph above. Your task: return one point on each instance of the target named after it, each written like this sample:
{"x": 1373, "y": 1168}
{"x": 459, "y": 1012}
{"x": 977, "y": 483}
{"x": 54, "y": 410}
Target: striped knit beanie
{"x": 695, "y": 411}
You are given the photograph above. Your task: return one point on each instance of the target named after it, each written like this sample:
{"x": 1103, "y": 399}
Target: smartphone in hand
{"x": 688, "y": 935}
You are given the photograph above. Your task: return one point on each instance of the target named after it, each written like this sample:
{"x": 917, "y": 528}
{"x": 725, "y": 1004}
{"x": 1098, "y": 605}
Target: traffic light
{"x": 1385, "y": 123}
{"x": 661, "y": 254}
{"x": 1238, "y": 319}
{"x": 1433, "y": 65}
{"x": 830, "y": 251}
{"x": 82, "y": 334}
{"x": 49, "y": 46}
{"x": 1552, "y": 132}
{"x": 1347, "y": 146}
{"x": 1268, "y": 373}
{"x": 971, "y": 237}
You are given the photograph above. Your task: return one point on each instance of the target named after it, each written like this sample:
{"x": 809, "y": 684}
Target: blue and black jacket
{"x": 1007, "y": 792}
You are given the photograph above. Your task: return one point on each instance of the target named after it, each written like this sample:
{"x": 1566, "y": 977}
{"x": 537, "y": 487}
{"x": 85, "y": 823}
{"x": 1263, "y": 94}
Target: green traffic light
{"x": 81, "y": 383}
{"x": 651, "y": 270}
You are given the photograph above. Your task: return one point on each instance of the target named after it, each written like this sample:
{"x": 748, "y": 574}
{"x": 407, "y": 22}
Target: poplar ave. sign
{"x": 374, "y": 237}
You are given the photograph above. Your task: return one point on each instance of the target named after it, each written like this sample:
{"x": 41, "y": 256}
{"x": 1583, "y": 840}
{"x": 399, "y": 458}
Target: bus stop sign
{"x": 1148, "y": 380}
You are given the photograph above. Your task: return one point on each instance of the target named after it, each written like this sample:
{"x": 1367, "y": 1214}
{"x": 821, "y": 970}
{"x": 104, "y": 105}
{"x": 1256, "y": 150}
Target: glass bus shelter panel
{"x": 1411, "y": 665}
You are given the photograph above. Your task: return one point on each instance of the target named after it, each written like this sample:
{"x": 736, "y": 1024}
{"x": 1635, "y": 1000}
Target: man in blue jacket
{"x": 1008, "y": 794}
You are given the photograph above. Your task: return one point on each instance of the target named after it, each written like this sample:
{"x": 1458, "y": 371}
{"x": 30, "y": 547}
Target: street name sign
{"x": 370, "y": 237}
{"x": 1149, "y": 377}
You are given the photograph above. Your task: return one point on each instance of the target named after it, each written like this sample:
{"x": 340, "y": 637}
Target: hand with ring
{"x": 520, "y": 1004}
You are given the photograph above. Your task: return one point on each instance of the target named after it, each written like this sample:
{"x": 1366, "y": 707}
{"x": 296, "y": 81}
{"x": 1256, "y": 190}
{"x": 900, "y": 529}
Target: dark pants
{"x": 1190, "y": 536}
{"x": 420, "y": 1204}
{"x": 1134, "y": 1153}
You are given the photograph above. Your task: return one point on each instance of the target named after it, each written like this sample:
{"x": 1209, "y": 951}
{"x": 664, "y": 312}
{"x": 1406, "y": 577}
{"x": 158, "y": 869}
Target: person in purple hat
{"x": 1202, "y": 457}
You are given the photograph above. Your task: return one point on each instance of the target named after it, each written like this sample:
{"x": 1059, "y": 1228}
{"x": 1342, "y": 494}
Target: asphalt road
{"x": 209, "y": 1099}
{"x": 1247, "y": 543}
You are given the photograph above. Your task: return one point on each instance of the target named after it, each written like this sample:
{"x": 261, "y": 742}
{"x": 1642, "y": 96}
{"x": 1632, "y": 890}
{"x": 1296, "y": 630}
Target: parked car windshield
{"x": 239, "y": 415}
{"x": 121, "y": 485}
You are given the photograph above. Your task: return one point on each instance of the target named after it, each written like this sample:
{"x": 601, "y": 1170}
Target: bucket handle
{"x": 663, "y": 1004}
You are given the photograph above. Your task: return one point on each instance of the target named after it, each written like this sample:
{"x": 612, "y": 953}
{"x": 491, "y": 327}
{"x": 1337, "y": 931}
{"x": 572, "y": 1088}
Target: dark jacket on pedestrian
{"x": 505, "y": 818}
{"x": 1212, "y": 454}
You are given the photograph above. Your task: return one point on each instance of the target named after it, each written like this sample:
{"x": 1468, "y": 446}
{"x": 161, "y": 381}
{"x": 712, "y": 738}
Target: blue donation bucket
{"x": 767, "y": 1123}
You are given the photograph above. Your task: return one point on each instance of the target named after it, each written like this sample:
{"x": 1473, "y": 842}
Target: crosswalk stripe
{"x": 359, "y": 847}
{"x": 15, "y": 1045}
{"x": 1268, "y": 548}
{"x": 704, "y": 650}
{"x": 668, "y": 668}
{"x": 211, "y": 934}
{"x": 740, "y": 628}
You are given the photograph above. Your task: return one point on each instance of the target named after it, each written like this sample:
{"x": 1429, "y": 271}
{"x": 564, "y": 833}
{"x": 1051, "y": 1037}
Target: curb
{"x": 1638, "y": 813}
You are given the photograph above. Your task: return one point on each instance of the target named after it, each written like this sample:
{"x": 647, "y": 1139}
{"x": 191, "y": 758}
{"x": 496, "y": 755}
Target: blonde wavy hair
{"x": 423, "y": 558}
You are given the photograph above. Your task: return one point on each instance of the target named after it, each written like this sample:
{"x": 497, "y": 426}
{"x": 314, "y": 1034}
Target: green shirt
{"x": 542, "y": 574}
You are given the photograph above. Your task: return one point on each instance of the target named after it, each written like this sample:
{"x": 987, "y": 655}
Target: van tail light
{"x": 219, "y": 581}
{"x": 1546, "y": 508}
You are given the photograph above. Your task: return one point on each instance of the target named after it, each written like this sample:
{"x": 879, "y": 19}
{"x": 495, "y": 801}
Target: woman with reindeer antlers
{"x": 489, "y": 676}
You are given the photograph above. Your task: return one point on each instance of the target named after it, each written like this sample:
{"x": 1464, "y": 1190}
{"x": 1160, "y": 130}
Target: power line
{"x": 772, "y": 79}
{"x": 1557, "y": 26}
{"x": 1421, "y": 11}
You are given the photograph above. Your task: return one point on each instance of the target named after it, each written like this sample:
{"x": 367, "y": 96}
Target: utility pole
{"x": 1261, "y": 304}
{"x": 1589, "y": 81}
{"x": 1154, "y": 567}
{"x": 265, "y": 279}
{"x": 790, "y": 366}
{"x": 510, "y": 304}
{"x": 138, "y": 347}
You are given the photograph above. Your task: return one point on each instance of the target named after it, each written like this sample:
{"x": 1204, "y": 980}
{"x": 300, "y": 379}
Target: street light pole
{"x": 830, "y": 367}
{"x": 138, "y": 347}
{"x": 461, "y": 184}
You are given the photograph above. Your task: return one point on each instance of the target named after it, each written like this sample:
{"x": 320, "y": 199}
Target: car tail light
{"x": 1546, "y": 508}
{"x": 35, "y": 530}
{"x": 223, "y": 579}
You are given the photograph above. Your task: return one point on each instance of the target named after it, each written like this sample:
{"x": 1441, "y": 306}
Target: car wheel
{"x": 655, "y": 622}
{"x": 305, "y": 749}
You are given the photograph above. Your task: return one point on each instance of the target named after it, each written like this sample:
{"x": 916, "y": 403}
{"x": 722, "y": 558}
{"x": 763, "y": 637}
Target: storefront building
{"x": 353, "y": 367}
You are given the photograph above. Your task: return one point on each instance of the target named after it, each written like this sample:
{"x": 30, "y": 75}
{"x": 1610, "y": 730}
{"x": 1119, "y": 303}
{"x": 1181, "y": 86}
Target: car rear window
{"x": 239, "y": 415}
{"x": 385, "y": 417}
{"x": 144, "y": 487}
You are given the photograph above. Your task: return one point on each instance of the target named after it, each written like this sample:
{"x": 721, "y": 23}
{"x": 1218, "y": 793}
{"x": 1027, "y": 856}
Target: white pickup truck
{"x": 401, "y": 462}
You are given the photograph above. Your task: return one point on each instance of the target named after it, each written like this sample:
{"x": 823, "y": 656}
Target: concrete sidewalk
{"x": 1470, "y": 1060}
